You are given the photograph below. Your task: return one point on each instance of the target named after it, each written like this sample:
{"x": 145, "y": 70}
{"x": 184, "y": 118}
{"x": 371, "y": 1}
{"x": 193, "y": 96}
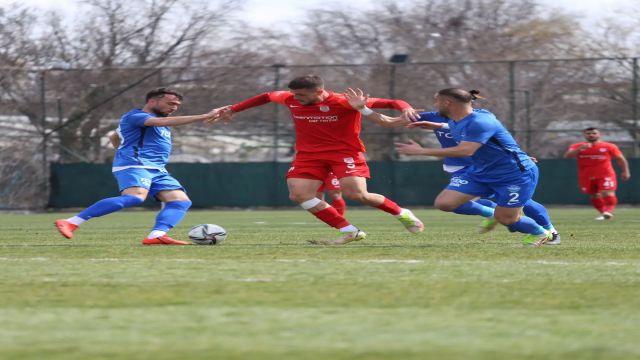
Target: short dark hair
{"x": 160, "y": 92}
{"x": 460, "y": 94}
{"x": 591, "y": 128}
{"x": 306, "y": 82}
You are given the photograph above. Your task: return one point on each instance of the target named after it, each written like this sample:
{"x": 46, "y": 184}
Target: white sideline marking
{"x": 255, "y": 280}
{"x": 385, "y": 261}
{"x": 260, "y": 222}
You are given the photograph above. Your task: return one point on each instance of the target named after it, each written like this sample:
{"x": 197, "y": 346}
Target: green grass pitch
{"x": 447, "y": 293}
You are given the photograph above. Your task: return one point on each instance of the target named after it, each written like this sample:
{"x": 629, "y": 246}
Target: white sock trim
{"x": 76, "y": 220}
{"x": 310, "y": 203}
{"x": 156, "y": 234}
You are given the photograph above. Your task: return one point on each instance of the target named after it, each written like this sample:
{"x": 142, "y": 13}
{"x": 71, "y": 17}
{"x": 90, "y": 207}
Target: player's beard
{"x": 159, "y": 112}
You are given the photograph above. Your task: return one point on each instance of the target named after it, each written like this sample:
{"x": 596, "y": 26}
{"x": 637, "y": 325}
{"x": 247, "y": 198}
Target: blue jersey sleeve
{"x": 480, "y": 131}
{"x": 432, "y": 116}
{"x": 138, "y": 119}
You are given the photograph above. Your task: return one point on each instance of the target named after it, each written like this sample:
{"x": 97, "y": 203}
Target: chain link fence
{"x": 65, "y": 115}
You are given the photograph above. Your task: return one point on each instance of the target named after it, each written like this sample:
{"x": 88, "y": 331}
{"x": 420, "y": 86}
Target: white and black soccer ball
{"x": 207, "y": 234}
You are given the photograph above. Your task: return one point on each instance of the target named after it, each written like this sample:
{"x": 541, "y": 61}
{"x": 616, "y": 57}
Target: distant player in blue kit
{"x": 499, "y": 167}
{"x": 144, "y": 145}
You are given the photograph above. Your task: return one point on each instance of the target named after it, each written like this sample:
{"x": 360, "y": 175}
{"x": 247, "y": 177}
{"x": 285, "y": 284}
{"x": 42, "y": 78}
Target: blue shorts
{"x": 150, "y": 179}
{"x": 512, "y": 193}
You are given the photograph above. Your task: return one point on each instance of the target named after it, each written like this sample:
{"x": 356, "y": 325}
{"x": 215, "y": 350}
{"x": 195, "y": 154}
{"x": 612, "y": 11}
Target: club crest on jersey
{"x": 603, "y": 150}
{"x": 457, "y": 181}
{"x": 324, "y": 108}
{"x": 348, "y": 160}
{"x": 513, "y": 188}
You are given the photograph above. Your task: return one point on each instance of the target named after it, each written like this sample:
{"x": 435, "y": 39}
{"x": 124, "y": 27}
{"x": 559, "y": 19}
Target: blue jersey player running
{"x": 144, "y": 145}
{"x": 457, "y": 166}
{"x": 499, "y": 167}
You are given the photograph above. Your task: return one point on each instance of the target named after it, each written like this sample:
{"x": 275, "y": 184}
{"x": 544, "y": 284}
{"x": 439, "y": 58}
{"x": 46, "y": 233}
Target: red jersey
{"x": 596, "y": 160}
{"x": 329, "y": 126}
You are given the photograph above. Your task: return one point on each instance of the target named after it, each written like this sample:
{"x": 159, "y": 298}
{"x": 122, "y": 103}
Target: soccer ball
{"x": 207, "y": 234}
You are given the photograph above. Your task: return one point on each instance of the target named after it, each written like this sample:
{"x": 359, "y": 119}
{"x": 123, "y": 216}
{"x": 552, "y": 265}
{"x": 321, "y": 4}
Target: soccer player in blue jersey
{"x": 144, "y": 139}
{"x": 457, "y": 166}
{"x": 499, "y": 166}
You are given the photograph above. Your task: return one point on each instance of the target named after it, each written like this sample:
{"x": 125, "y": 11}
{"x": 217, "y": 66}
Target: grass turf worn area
{"x": 447, "y": 293}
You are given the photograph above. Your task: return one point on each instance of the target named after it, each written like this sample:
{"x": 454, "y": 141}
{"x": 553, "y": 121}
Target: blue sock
{"x": 473, "y": 208}
{"x": 487, "y": 203}
{"x": 537, "y": 212}
{"x": 109, "y": 205}
{"x": 526, "y": 225}
{"x": 171, "y": 214}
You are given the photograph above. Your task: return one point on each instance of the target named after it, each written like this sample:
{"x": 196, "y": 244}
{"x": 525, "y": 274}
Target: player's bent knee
{"x": 445, "y": 205}
{"x": 356, "y": 195}
{"x": 506, "y": 219}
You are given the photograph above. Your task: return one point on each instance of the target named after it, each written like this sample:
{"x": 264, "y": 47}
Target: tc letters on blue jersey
{"x": 140, "y": 145}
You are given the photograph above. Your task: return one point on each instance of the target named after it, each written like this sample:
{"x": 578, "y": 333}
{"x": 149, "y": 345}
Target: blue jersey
{"x": 499, "y": 158}
{"x": 141, "y": 146}
{"x": 445, "y": 138}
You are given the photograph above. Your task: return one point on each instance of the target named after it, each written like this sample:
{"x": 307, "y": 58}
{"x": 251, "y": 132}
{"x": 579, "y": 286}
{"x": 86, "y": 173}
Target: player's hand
{"x": 625, "y": 176}
{"x": 356, "y": 98}
{"x": 226, "y": 114}
{"x": 213, "y": 115}
{"x": 533, "y": 159}
{"x": 411, "y": 114}
{"x": 410, "y": 148}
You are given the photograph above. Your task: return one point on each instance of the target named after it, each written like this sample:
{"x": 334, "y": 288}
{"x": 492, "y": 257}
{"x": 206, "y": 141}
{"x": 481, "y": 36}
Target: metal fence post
{"x": 45, "y": 135}
{"x": 634, "y": 107}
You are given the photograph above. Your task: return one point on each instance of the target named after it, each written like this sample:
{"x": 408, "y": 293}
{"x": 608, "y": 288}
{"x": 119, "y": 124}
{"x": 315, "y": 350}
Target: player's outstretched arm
{"x": 184, "y": 120}
{"x": 407, "y": 110}
{"x": 428, "y": 125}
{"x": 358, "y": 100}
{"x": 465, "y": 148}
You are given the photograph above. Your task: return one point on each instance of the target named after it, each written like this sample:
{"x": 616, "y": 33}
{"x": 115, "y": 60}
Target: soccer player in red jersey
{"x": 595, "y": 173}
{"x": 332, "y": 186}
{"x": 327, "y": 132}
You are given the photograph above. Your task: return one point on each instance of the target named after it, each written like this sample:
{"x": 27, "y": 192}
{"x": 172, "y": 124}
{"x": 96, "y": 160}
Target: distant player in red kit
{"x": 328, "y": 140}
{"x": 332, "y": 186}
{"x": 595, "y": 173}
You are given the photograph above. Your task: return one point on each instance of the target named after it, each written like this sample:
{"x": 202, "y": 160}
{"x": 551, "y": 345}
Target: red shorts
{"x": 331, "y": 183}
{"x": 318, "y": 167}
{"x": 595, "y": 184}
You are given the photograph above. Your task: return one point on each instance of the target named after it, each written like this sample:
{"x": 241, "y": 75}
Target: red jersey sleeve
{"x": 376, "y": 103}
{"x": 264, "y": 98}
{"x": 614, "y": 151}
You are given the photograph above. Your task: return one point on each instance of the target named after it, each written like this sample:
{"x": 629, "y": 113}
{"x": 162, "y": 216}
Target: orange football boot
{"x": 164, "y": 240}
{"x": 65, "y": 228}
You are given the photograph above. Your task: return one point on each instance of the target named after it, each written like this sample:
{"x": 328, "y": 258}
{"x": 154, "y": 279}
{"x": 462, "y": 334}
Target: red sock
{"x": 331, "y": 217}
{"x": 598, "y": 203}
{"x": 610, "y": 203}
{"x": 390, "y": 207}
{"x": 339, "y": 205}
